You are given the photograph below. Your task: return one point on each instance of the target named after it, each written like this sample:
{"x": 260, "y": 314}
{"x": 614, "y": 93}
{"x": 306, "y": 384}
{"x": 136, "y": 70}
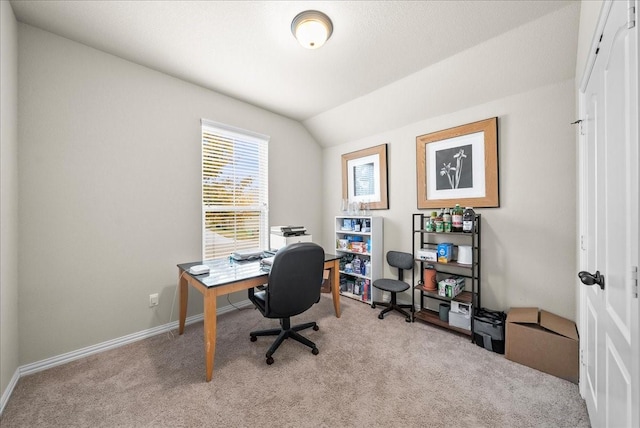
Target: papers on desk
{"x": 252, "y": 254}
{"x": 267, "y": 261}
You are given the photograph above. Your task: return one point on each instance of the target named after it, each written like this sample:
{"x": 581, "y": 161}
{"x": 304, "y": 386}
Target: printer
{"x": 284, "y": 235}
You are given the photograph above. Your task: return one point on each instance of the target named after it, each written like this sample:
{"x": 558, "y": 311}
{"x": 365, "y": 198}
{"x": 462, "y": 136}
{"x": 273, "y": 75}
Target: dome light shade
{"x": 312, "y": 28}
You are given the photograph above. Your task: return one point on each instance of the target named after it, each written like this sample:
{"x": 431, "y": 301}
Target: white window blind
{"x": 235, "y": 190}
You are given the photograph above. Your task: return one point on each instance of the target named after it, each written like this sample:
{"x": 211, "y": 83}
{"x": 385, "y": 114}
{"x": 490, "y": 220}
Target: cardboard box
{"x": 543, "y": 341}
{"x": 461, "y": 307}
{"x": 451, "y": 287}
{"x": 445, "y": 252}
{"x": 428, "y": 254}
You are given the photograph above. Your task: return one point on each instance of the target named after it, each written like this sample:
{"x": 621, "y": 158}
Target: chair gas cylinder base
{"x": 402, "y": 261}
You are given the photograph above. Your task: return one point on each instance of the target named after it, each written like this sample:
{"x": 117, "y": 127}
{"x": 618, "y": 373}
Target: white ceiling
{"x": 245, "y": 49}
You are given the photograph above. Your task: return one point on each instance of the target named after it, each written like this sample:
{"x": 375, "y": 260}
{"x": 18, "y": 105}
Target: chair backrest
{"x": 295, "y": 280}
{"x": 402, "y": 261}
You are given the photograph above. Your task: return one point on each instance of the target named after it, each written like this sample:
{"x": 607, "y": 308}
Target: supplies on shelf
{"x": 451, "y": 287}
{"x": 460, "y": 315}
{"x": 356, "y": 225}
{"x": 430, "y": 279}
{"x": 445, "y": 252}
{"x": 355, "y": 244}
{"x": 428, "y": 254}
{"x": 356, "y": 286}
{"x": 351, "y": 263}
{"x": 359, "y": 247}
{"x": 460, "y": 320}
{"x": 454, "y": 220}
{"x": 461, "y": 307}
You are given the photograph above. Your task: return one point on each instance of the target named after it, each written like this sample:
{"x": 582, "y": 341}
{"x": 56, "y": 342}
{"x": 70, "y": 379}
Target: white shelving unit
{"x": 358, "y": 285}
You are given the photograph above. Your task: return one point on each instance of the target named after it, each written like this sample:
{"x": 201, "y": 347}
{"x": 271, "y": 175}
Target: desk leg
{"x": 184, "y": 295}
{"x": 335, "y": 286}
{"x": 209, "y": 332}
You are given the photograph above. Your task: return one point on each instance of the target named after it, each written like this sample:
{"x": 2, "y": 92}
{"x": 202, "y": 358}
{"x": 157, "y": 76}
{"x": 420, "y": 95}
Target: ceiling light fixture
{"x": 312, "y": 28}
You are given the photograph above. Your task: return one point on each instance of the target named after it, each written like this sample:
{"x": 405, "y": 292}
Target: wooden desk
{"x": 226, "y": 277}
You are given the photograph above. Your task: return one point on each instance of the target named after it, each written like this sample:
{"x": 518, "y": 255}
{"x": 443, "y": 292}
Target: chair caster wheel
{"x": 381, "y": 316}
{"x": 407, "y": 319}
{"x": 316, "y": 328}
{"x": 253, "y": 338}
{"x": 315, "y": 351}
{"x": 269, "y": 360}
{"x": 373, "y": 306}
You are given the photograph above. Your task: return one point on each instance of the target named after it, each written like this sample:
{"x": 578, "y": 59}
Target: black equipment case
{"x": 488, "y": 329}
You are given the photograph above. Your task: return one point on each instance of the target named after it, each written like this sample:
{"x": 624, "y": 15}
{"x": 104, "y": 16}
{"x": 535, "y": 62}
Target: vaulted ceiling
{"x": 245, "y": 49}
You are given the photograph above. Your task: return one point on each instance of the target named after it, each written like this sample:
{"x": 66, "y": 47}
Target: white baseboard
{"x": 58, "y": 360}
{"x": 7, "y": 392}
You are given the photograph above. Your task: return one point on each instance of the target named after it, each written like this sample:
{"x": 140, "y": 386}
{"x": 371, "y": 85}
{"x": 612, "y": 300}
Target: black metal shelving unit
{"x": 423, "y": 239}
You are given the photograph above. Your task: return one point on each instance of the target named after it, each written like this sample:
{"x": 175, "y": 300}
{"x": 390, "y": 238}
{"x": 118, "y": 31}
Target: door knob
{"x": 590, "y": 279}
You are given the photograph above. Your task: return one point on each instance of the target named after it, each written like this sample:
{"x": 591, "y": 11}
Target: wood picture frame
{"x": 472, "y": 180}
{"x": 364, "y": 177}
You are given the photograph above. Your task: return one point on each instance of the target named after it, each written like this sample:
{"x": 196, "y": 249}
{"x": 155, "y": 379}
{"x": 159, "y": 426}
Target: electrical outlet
{"x": 153, "y": 300}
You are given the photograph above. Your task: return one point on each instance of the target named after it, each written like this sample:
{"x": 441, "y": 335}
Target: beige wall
{"x": 528, "y": 244}
{"x": 8, "y": 196}
{"x": 109, "y": 173}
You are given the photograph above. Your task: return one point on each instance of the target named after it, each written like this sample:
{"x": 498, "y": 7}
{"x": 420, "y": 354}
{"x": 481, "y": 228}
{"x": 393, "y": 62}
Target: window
{"x": 235, "y": 190}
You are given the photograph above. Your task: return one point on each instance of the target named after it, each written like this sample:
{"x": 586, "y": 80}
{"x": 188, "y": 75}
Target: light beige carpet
{"x": 369, "y": 372}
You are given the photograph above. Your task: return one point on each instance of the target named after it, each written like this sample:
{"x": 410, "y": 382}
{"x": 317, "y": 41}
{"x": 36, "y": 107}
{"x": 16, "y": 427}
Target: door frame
{"x": 582, "y": 206}
{"x": 582, "y": 195}
{"x": 582, "y": 179}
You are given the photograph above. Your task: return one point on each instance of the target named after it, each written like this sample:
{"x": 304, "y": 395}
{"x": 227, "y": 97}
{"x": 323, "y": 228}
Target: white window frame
{"x": 220, "y": 245}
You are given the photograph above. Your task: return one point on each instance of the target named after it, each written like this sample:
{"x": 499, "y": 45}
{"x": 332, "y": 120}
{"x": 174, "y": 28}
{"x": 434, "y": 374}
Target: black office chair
{"x": 294, "y": 285}
{"x": 402, "y": 261}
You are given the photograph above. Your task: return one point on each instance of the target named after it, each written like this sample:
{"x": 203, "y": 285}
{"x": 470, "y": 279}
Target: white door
{"x": 610, "y": 333}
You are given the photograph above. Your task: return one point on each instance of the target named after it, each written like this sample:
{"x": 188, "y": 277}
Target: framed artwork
{"x": 364, "y": 177}
{"x": 459, "y": 166}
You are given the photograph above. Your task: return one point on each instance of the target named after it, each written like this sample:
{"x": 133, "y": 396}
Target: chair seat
{"x": 259, "y": 301}
{"x": 392, "y": 285}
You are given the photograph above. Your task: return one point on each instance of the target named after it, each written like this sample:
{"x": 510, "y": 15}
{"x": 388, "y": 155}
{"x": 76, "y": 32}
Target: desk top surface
{"x": 227, "y": 271}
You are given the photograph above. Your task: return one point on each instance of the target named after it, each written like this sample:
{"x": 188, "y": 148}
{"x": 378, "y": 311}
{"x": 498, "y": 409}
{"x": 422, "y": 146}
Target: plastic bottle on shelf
{"x": 429, "y": 226}
{"x": 456, "y": 219}
{"x": 467, "y": 220}
{"x": 367, "y": 269}
{"x": 356, "y": 265}
{"x": 438, "y": 222}
{"x": 446, "y": 220}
